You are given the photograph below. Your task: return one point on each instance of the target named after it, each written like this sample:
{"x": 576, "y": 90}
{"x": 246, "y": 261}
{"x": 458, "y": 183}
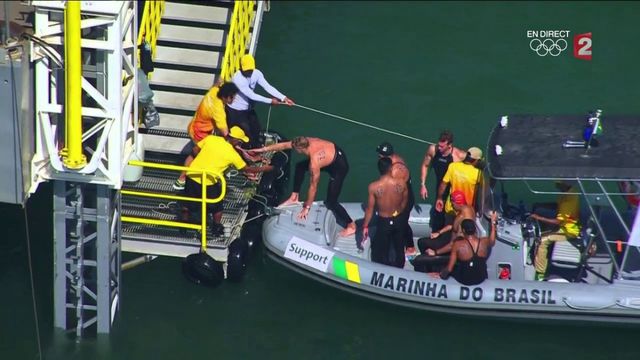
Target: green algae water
{"x": 412, "y": 67}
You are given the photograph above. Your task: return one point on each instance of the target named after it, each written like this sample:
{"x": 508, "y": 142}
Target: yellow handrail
{"x": 203, "y": 200}
{"x": 238, "y": 39}
{"x": 150, "y": 24}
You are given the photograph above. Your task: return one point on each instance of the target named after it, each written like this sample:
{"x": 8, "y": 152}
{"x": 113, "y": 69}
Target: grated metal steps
{"x": 168, "y": 241}
{"x": 188, "y": 58}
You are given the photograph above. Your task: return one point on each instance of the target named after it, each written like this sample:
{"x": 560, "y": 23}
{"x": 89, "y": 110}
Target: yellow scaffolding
{"x": 150, "y": 25}
{"x": 72, "y": 155}
{"x": 239, "y": 37}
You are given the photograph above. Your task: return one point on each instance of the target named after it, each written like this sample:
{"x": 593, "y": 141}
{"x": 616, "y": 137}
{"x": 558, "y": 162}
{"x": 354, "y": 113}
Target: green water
{"x": 414, "y": 68}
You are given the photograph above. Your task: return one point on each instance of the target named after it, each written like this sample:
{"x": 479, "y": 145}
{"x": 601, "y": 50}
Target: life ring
{"x": 632, "y": 190}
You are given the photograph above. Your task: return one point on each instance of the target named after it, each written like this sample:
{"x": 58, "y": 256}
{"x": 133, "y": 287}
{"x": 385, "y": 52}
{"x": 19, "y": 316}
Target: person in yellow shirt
{"x": 463, "y": 176}
{"x": 566, "y": 222}
{"x": 214, "y": 154}
{"x": 209, "y": 117}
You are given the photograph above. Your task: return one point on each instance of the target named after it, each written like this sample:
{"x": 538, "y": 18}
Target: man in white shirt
{"x": 240, "y": 112}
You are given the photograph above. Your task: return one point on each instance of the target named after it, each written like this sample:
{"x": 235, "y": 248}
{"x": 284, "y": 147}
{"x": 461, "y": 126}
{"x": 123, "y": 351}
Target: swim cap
{"x": 457, "y": 197}
{"x": 468, "y": 227}
{"x": 385, "y": 149}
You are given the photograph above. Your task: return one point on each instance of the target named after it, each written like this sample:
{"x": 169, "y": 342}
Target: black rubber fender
{"x": 237, "y": 259}
{"x": 202, "y": 269}
{"x": 251, "y": 232}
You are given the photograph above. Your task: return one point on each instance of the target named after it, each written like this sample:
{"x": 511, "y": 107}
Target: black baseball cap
{"x": 385, "y": 149}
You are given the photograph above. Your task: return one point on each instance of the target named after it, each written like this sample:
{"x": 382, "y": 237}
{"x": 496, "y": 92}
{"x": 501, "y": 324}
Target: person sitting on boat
{"x": 469, "y": 254}
{"x": 438, "y": 158}
{"x": 565, "y": 222}
{"x": 240, "y": 112}
{"x": 214, "y": 154}
{"x": 440, "y": 242}
{"x": 389, "y": 195}
{"x": 209, "y": 117}
{"x": 463, "y": 176}
{"x": 400, "y": 171}
{"x": 322, "y": 155}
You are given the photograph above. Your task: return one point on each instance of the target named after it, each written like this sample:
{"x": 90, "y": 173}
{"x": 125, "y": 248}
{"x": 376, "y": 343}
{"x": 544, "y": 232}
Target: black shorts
{"x": 194, "y": 190}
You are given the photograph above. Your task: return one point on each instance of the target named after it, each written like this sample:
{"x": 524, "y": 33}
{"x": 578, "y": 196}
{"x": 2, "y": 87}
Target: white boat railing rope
{"x": 362, "y": 124}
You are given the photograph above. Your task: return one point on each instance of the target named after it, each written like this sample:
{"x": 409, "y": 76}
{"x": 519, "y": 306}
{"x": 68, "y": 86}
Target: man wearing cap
{"x": 463, "y": 176}
{"x": 240, "y": 112}
{"x": 438, "y": 157}
{"x": 389, "y": 195}
{"x": 209, "y": 117}
{"x": 322, "y": 155}
{"x": 214, "y": 154}
{"x": 400, "y": 171}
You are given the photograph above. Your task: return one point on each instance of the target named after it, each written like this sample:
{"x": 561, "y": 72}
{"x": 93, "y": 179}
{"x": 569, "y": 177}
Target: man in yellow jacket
{"x": 214, "y": 154}
{"x": 209, "y": 117}
{"x": 566, "y": 221}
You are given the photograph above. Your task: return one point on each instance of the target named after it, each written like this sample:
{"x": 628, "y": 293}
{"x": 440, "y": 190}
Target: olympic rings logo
{"x": 548, "y": 46}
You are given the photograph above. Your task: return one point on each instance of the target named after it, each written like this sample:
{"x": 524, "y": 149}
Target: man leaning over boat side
{"x": 240, "y": 112}
{"x": 400, "y": 171}
{"x": 440, "y": 242}
{"x": 468, "y": 261}
{"x": 323, "y": 155}
{"x": 438, "y": 157}
{"x": 463, "y": 176}
{"x": 214, "y": 154}
{"x": 566, "y": 223}
{"x": 210, "y": 117}
{"x": 389, "y": 195}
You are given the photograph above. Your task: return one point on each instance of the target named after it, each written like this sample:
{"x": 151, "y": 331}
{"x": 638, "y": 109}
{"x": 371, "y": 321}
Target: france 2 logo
{"x": 582, "y": 46}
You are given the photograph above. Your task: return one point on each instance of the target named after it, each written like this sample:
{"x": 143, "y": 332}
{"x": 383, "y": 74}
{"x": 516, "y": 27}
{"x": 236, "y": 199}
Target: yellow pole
{"x": 204, "y": 212}
{"x": 73, "y": 158}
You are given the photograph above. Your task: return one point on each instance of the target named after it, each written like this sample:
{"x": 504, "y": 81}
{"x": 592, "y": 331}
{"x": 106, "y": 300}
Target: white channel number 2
{"x": 585, "y": 46}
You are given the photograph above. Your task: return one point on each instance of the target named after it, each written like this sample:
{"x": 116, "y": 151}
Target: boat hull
{"x": 310, "y": 247}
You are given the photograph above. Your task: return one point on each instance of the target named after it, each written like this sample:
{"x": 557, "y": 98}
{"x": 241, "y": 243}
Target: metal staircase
{"x": 187, "y": 61}
{"x": 189, "y": 50}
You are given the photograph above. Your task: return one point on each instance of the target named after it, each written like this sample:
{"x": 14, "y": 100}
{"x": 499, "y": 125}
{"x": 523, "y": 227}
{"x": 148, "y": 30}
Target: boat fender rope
{"x": 565, "y": 300}
{"x": 622, "y": 304}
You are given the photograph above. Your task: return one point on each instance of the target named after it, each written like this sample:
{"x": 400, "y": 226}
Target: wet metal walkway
{"x": 170, "y": 241}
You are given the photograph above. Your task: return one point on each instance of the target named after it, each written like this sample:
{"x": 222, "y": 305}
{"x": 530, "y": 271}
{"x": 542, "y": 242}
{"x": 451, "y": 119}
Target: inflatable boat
{"x": 593, "y": 277}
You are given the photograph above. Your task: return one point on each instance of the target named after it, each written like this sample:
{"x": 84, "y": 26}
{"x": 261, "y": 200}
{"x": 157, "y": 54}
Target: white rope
{"x": 364, "y": 124}
{"x": 268, "y": 119}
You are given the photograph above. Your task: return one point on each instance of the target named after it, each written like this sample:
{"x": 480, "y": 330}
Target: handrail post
{"x": 73, "y": 157}
{"x": 204, "y": 204}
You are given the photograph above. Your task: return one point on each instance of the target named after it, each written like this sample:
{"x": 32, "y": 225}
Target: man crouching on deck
{"x": 390, "y": 195}
{"x": 323, "y": 155}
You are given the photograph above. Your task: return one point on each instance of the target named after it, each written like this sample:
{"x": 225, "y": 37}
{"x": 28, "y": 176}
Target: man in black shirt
{"x": 438, "y": 157}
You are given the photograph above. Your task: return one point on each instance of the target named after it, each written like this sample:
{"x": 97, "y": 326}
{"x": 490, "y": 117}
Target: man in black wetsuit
{"x": 439, "y": 159}
{"x": 389, "y": 196}
{"x": 469, "y": 254}
{"x": 322, "y": 155}
{"x": 400, "y": 171}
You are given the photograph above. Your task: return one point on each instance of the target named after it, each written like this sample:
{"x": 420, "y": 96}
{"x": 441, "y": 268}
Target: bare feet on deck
{"x": 293, "y": 199}
{"x": 349, "y": 230}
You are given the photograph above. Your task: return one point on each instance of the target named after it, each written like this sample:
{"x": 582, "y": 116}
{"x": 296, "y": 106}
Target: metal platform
{"x": 168, "y": 241}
